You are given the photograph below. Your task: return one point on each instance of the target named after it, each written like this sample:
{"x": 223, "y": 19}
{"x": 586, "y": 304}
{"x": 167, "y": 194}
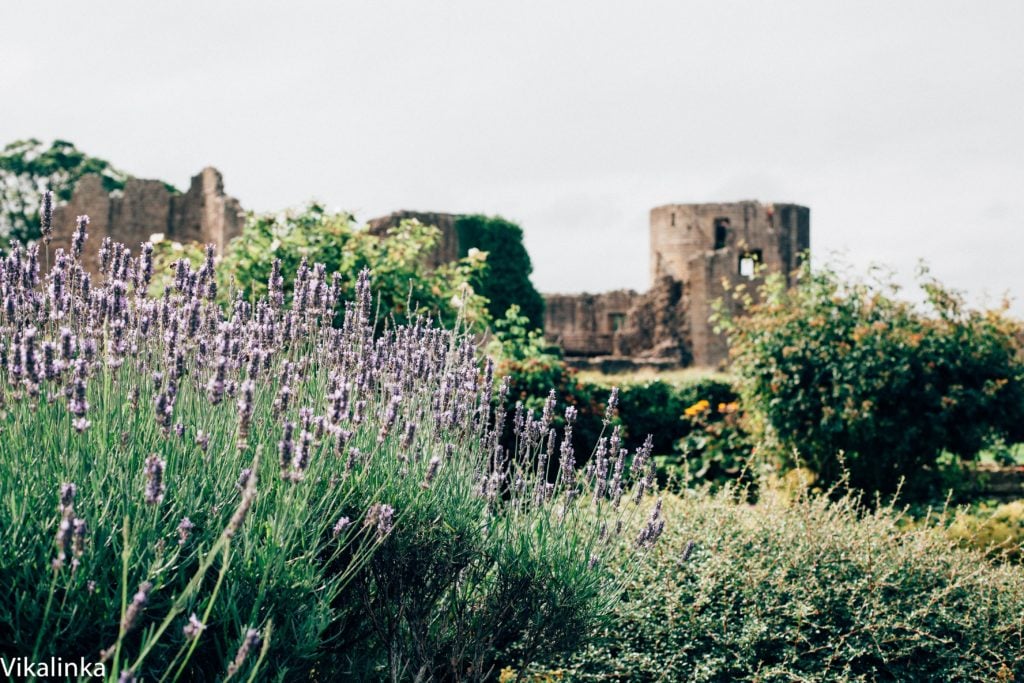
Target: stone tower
{"x": 708, "y": 247}
{"x": 698, "y": 251}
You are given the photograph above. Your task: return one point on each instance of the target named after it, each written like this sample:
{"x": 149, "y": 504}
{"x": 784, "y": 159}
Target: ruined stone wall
{"x": 586, "y": 324}
{"x": 202, "y": 214}
{"x": 447, "y": 248}
{"x": 657, "y": 326}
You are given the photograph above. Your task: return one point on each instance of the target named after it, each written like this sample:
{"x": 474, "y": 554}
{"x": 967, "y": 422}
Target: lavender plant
{"x": 194, "y": 490}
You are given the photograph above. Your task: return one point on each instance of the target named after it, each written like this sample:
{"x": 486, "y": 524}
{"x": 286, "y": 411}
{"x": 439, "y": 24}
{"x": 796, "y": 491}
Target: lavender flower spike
{"x": 251, "y": 641}
{"x": 155, "y": 486}
{"x": 46, "y": 217}
{"x": 79, "y": 236}
{"x": 136, "y": 606}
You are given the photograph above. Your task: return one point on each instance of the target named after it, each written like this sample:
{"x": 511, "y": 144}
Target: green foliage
{"x": 841, "y": 374}
{"x": 998, "y": 530}
{"x": 28, "y": 168}
{"x": 811, "y": 589}
{"x": 506, "y": 280}
{"x": 657, "y": 408}
{"x": 535, "y": 370}
{"x": 404, "y": 284}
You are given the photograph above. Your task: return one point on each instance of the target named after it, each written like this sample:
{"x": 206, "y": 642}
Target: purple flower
{"x": 193, "y": 628}
{"x": 145, "y": 271}
{"x": 215, "y": 387}
{"x": 381, "y": 517}
{"x": 652, "y": 530}
{"x": 613, "y": 404}
{"x": 46, "y": 216}
{"x": 79, "y": 237}
{"x": 432, "y": 468}
{"x": 185, "y": 527}
{"x": 251, "y": 641}
{"x": 136, "y": 606}
{"x": 342, "y": 524}
{"x": 155, "y": 486}
{"x": 301, "y": 459}
{"x": 286, "y": 447}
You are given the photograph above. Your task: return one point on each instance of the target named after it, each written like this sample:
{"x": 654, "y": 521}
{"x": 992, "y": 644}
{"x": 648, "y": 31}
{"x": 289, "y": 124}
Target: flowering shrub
{"x": 807, "y": 589}
{"x": 716, "y": 446}
{"x": 193, "y": 491}
{"x": 842, "y": 375}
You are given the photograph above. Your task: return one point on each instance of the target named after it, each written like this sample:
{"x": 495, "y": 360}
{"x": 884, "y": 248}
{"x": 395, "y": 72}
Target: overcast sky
{"x": 901, "y": 124}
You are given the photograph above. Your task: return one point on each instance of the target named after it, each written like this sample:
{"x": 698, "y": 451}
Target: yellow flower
{"x": 697, "y": 408}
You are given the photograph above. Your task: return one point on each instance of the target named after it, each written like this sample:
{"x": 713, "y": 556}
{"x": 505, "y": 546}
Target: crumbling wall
{"x": 202, "y": 214}
{"x": 657, "y": 326}
{"x": 585, "y": 324}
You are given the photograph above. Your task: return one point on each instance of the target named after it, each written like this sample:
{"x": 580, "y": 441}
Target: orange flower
{"x": 697, "y": 408}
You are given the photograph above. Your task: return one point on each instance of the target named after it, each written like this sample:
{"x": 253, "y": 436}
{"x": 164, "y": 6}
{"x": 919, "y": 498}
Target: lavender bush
{"x": 191, "y": 491}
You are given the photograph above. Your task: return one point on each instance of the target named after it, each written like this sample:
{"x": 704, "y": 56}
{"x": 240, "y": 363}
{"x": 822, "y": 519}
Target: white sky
{"x": 901, "y": 124}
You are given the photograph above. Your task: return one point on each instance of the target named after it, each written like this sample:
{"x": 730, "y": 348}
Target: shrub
{"x": 403, "y": 284}
{"x": 998, "y": 530}
{"x": 695, "y": 427}
{"x": 839, "y": 373}
{"x": 807, "y": 589}
{"x": 506, "y": 279}
{"x": 716, "y": 446}
{"x": 194, "y": 492}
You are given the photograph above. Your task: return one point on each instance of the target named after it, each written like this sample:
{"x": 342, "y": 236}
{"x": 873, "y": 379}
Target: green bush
{"x": 841, "y": 374}
{"x": 807, "y": 589}
{"x": 506, "y": 279}
{"x": 403, "y": 283}
{"x": 716, "y": 447}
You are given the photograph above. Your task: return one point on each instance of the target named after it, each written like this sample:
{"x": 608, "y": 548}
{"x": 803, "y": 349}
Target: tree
{"x": 506, "y": 280}
{"x": 28, "y": 168}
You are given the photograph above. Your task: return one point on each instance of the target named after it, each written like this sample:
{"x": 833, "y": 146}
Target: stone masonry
{"x": 203, "y": 214}
{"x": 698, "y": 253}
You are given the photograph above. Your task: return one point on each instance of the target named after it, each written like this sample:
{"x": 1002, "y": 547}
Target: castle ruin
{"x": 698, "y": 252}
{"x": 203, "y": 214}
